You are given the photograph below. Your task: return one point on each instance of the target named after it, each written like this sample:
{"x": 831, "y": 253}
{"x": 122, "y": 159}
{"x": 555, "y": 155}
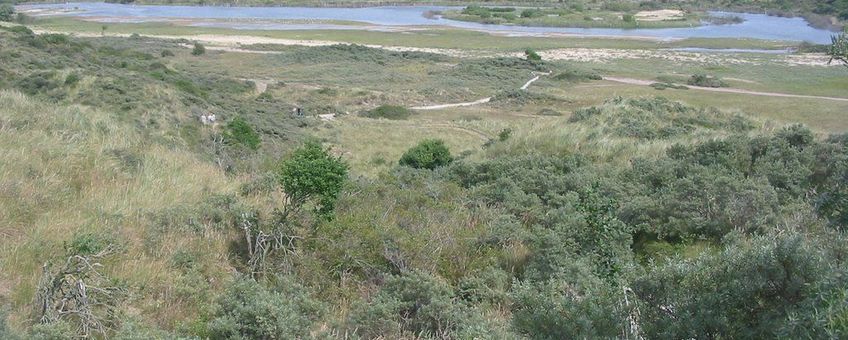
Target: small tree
{"x": 531, "y": 55}
{"x": 198, "y": 49}
{"x": 7, "y": 12}
{"x": 429, "y": 154}
{"x": 311, "y": 174}
{"x": 839, "y": 48}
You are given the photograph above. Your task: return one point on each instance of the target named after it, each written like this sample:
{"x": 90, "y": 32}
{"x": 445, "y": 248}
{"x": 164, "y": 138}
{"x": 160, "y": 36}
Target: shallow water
{"x": 755, "y": 26}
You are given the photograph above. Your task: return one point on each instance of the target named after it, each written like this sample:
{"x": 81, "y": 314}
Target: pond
{"x": 755, "y": 26}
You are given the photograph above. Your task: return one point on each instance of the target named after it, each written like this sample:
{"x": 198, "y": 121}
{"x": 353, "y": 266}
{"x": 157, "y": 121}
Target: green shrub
{"x": 311, "y": 174}
{"x": 87, "y": 244}
{"x": 72, "y": 79}
{"x": 249, "y": 310}
{"x": 392, "y": 112}
{"x": 629, "y": 18}
{"x": 414, "y": 303}
{"x": 239, "y": 132}
{"x": 198, "y": 49}
{"x": 573, "y": 75}
{"x": 428, "y": 154}
{"x": 7, "y": 12}
{"x": 531, "y": 55}
{"x": 167, "y": 53}
{"x": 705, "y": 81}
{"x": 531, "y": 13}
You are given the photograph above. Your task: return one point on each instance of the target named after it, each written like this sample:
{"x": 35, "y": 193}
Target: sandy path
{"x": 527, "y": 84}
{"x": 642, "y": 82}
{"x": 445, "y": 106}
{"x": 479, "y": 101}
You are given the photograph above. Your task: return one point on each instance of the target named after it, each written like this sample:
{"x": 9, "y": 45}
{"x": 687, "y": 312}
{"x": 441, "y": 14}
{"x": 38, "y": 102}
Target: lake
{"x": 755, "y": 26}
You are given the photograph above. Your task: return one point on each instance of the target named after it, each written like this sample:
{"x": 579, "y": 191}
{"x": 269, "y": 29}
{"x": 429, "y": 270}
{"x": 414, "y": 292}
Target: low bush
{"x": 250, "y": 310}
{"x": 239, "y": 132}
{"x": 573, "y": 75}
{"x": 531, "y": 55}
{"x": 429, "y": 154}
{"x": 7, "y": 12}
{"x": 198, "y": 49}
{"x": 705, "y": 81}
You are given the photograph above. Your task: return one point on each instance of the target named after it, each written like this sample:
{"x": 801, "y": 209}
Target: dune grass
{"x": 65, "y": 171}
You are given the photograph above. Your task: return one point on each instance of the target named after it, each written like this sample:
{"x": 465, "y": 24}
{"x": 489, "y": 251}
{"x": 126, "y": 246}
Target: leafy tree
{"x": 428, "y": 154}
{"x": 7, "y": 12}
{"x": 249, "y": 310}
{"x": 198, "y": 49}
{"x": 311, "y": 174}
{"x": 239, "y": 132}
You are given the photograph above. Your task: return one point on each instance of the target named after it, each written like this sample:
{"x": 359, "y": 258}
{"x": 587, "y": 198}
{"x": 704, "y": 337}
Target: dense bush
{"x": 250, "y": 310}
{"x": 414, "y": 303}
{"x": 428, "y": 154}
{"x": 7, "y": 12}
{"x": 312, "y": 175}
{"x": 198, "y": 49}
{"x": 239, "y": 132}
{"x": 531, "y": 55}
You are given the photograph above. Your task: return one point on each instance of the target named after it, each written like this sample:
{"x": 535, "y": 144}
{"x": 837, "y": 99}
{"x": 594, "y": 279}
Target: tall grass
{"x": 71, "y": 170}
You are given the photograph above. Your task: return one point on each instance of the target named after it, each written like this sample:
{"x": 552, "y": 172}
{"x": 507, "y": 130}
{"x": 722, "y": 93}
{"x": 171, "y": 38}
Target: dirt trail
{"x": 643, "y": 82}
{"x": 479, "y": 101}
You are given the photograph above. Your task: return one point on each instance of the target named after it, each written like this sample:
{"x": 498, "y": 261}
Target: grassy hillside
{"x": 544, "y": 213}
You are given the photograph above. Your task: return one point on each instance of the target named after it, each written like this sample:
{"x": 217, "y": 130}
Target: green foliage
{"x": 839, "y": 48}
{"x": 72, "y": 79}
{"x": 239, "y": 132}
{"x": 569, "y": 306}
{"x": 198, "y": 49}
{"x": 311, "y": 174}
{"x": 629, "y": 18}
{"x": 757, "y": 288}
{"x": 428, "y": 154}
{"x": 249, "y": 310}
{"x": 86, "y": 244}
{"x": 573, "y": 75}
{"x": 166, "y": 53}
{"x": 392, "y": 112}
{"x": 531, "y": 55}
{"x": 7, "y": 12}
{"x": 705, "y": 81}
{"x": 414, "y": 303}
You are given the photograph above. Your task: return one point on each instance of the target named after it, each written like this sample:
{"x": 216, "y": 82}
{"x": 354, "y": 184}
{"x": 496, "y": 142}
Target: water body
{"x": 755, "y": 26}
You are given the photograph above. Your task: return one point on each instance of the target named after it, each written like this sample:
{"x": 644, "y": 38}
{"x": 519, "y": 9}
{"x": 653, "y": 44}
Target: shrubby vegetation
{"x": 428, "y": 154}
{"x": 705, "y": 81}
{"x": 703, "y": 225}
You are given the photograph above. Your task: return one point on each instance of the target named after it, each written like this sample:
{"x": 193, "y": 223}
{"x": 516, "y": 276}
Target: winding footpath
{"x": 479, "y": 101}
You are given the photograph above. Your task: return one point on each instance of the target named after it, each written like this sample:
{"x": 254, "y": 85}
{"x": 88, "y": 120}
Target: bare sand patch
{"x": 661, "y": 15}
